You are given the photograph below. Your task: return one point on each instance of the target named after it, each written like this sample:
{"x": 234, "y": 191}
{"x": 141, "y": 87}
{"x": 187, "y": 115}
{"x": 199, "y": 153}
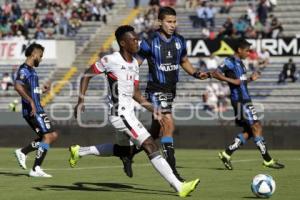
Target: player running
{"x": 233, "y": 72}
{"x": 122, "y": 73}
{"x": 165, "y": 51}
{"x": 27, "y": 85}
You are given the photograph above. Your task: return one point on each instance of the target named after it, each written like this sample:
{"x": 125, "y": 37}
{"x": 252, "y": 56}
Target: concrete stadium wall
{"x": 204, "y": 137}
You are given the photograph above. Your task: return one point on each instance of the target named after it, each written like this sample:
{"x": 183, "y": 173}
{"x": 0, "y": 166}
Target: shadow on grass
{"x": 13, "y": 174}
{"x": 251, "y": 197}
{"x": 104, "y": 187}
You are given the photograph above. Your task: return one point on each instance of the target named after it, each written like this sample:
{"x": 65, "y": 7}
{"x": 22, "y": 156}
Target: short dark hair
{"x": 163, "y": 11}
{"x": 121, "y": 30}
{"x": 241, "y": 43}
{"x": 32, "y": 47}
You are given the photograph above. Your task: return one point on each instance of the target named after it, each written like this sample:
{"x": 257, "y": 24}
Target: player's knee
{"x": 150, "y": 146}
{"x": 52, "y": 136}
{"x": 256, "y": 129}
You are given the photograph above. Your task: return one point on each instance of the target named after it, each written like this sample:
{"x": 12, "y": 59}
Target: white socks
{"x": 161, "y": 165}
{"x": 97, "y": 150}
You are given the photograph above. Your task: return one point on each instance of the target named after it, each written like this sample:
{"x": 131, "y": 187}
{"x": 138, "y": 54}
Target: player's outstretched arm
{"x": 188, "y": 67}
{"x": 219, "y": 76}
{"x": 84, "y": 83}
{"x": 23, "y": 92}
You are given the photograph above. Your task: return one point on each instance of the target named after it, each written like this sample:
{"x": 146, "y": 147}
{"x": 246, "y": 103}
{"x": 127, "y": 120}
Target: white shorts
{"x": 129, "y": 129}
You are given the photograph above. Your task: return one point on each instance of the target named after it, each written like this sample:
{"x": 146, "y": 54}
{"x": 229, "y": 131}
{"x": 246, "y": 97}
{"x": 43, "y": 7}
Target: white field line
{"x": 119, "y": 166}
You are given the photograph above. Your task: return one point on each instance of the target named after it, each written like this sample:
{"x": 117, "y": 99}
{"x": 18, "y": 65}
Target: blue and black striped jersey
{"x": 28, "y": 77}
{"x": 234, "y": 68}
{"x": 164, "y": 57}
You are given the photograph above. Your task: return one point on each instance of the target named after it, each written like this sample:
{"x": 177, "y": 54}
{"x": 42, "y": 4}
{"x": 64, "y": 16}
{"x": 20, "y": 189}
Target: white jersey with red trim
{"x": 121, "y": 76}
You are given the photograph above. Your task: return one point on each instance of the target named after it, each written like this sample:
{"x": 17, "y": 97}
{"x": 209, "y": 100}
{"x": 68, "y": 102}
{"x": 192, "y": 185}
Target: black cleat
{"x": 226, "y": 161}
{"x": 127, "y": 166}
{"x": 273, "y": 164}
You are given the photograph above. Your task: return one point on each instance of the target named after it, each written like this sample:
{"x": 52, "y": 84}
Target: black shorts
{"x": 245, "y": 114}
{"x": 40, "y": 123}
{"x": 161, "y": 100}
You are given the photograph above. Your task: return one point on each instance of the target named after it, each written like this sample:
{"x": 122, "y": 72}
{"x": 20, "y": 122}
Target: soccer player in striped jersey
{"x": 165, "y": 51}
{"x": 27, "y": 85}
{"x": 233, "y": 71}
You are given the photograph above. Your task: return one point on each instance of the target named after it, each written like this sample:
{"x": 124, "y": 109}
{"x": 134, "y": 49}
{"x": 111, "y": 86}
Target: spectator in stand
{"x": 200, "y": 20}
{"x": 251, "y": 14}
{"x": 263, "y": 59}
{"x": 227, "y": 29}
{"x": 241, "y": 27}
{"x": 288, "y": 71}
{"x": 202, "y": 65}
{"x": 215, "y": 97}
{"x": 62, "y": 24}
{"x": 262, "y": 12}
{"x": 210, "y": 14}
{"x": 191, "y": 4}
{"x": 39, "y": 34}
{"x": 252, "y": 60}
{"x": 48, "y": 21}
{"x": 75, "y": 24}
{"x": 6, "y": 81}
{"x": 259, "y": 29}
{"x": 228, "y": 4}
{"x": 276, "y": 28}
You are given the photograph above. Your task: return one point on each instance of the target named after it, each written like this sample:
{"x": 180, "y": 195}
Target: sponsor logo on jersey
{"x": 178, "y": 45}
{"x": 123, "y": 67}
{"x": 243, "y": 77}
{"x": 168, "y": 67}
{"x": 37, "y": 90}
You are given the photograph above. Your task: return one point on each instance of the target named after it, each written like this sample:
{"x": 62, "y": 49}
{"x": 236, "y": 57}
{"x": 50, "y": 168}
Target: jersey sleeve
{"x": 22, "y": 76}
{"x": 98, "y": 67}
{"x": 183, "y": 48}
{"x": 226, "y": 66}
{"x": 145, "y": 50}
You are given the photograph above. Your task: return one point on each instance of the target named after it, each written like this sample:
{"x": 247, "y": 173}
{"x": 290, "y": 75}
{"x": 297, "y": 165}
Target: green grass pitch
{"x": 103, "y": 178}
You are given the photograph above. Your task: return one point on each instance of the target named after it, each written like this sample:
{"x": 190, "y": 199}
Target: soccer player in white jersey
{"x": 122, "y": 73}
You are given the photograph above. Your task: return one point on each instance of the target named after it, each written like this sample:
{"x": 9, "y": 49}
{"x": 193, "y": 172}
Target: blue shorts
{"x": 40, "y": 123}
{"x": 161, "y": 100}
{"x": 245, "y": 114}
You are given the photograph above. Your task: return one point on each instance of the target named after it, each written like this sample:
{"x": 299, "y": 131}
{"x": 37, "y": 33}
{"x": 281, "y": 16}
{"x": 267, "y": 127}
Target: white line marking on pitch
{"x": 119, "y": 166}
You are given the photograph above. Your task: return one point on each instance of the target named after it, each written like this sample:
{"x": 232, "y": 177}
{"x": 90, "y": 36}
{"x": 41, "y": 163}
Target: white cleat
{"x": 39, "y": 173}
{"x": 21, "y": 157}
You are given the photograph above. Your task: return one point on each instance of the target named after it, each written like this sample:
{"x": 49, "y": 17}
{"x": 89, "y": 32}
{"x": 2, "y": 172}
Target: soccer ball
{"x": 263, "y": 185}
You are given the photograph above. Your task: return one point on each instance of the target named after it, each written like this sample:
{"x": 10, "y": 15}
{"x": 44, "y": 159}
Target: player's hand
{"x": 79, "y": 107}
{"x": 204, "y": 75}
{"x": 255, "y": 76}
{"x": 46, "y": 87}
{"x": 157, "y": 115}
{"x": 33, "y": 109}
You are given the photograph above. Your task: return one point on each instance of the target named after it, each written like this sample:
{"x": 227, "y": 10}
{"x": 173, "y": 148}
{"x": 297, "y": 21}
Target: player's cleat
{"x": 188, "y": 187}
{"x": 178, "y": 176}
{"x": 21, "y": 158}
{"x": 273, "y": 164}
{"x": 38, "y": 172}
{"x": 74, "y": 155}
{"x": 226, "y": 160}
{"x": 127, "y": 166}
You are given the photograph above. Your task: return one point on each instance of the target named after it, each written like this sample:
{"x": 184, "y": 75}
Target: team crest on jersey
{"x": 123, "y": 67}
{"x": 22, "y": 76}
{"x": 177, "y": 45}
{"x": 169, "y": 55}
